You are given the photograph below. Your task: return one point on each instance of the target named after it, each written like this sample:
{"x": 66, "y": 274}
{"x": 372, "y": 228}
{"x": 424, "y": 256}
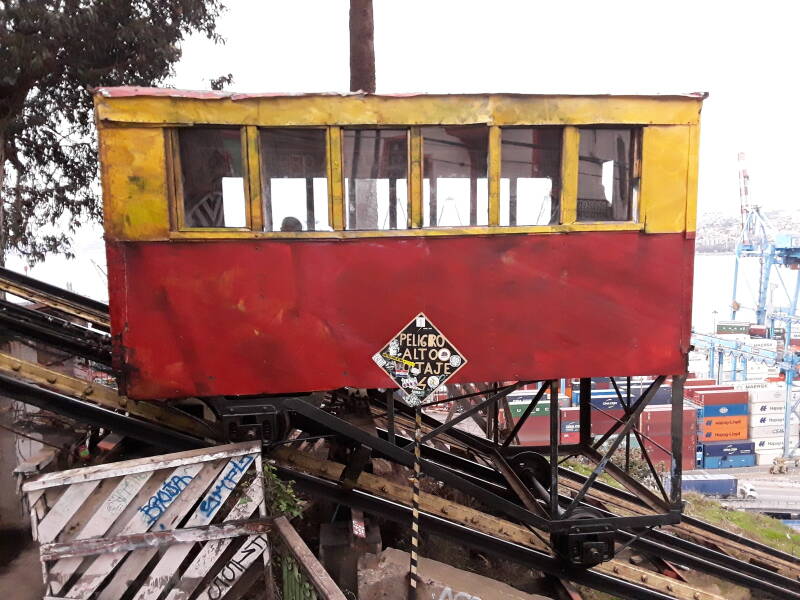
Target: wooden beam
{"x": 313, "y": 569}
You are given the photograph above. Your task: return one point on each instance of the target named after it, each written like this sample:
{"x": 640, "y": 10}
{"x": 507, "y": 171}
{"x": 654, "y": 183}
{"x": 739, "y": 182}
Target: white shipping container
{"x": 768, "y": 408}
{"x": 772, "y": 444}
{"x": 760, "y": 433}
{"x": 770, "y": 394}
{"x": 749, "y": 384}
{"x": 766, "y": 458}
{"x": 770, "y": 419}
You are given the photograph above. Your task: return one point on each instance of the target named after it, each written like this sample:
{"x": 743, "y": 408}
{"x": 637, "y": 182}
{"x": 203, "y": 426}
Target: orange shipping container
{"x": 718, "y": 429}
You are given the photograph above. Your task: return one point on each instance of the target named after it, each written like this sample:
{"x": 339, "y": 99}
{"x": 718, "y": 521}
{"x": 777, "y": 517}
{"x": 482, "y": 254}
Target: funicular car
{"x": 262, "y": 248}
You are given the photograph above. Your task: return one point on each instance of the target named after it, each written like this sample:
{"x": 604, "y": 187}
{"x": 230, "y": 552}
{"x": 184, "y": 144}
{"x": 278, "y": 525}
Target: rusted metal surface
{"x": 294, "y": 316}
{"x": 158, "y": 510}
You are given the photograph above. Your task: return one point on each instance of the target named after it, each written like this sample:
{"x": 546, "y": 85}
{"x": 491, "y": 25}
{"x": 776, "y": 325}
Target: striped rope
{"x": 415, "y": 506}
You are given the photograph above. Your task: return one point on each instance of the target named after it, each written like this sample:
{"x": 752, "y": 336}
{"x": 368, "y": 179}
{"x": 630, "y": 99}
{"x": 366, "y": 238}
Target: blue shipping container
{"x": 711, "y": 485}
{"x": 724, "y": 410}
{"x": 728, "y": 448}
{"x": 729, "y": 462}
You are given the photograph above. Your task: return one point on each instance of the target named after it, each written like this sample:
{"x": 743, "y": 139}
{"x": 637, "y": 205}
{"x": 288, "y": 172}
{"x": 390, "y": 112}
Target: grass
{"x": 754, "y": 526}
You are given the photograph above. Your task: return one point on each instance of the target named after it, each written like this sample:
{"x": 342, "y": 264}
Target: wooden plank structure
{"x": 179, "y": 526}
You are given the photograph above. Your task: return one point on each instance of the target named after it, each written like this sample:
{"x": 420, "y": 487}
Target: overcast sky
{"x": 743, "y": 53}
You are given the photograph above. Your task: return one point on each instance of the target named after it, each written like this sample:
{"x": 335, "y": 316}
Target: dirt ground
{"x": 20, "y": 569}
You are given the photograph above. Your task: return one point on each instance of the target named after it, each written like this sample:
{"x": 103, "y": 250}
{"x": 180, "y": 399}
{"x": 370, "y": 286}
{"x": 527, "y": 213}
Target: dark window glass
{"x": 375, "y": 166}
{"x": 530, "y": 179}
{"x": 294, "y": 180}
{"x": 455, "y": 189}
{"x": 212, "y": 176}
{"x": 606, "y": 186}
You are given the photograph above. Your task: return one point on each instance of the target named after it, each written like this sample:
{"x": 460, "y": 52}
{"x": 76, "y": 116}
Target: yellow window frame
{"x": 255, "y": 212}
{"x": 174, "y": 169}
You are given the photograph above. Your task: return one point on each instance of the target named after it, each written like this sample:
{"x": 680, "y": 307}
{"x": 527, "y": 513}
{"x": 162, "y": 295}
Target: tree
{"x": 52, "y": 53}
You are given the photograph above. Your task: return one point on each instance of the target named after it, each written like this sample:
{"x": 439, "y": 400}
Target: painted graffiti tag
{"x": 159, "y": 501}
{"x": 236, "y": 566}
{"x": 448, "y": 594}
{"x": 228, "y": 483}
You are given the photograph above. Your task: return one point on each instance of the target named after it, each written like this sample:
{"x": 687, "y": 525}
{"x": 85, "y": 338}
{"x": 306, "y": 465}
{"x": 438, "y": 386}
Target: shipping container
{"x": 721, "y": 397}
{"x": 772, "y": 444}
{"x": 768, "y": 408}
{"x": 733, "y": 327}
{"x": 765, "y": 457}
{"x": 692, "y": 391}
{"x": 694, "y": 382}
{"x": 718, "y": 429}
{"x": 762, "y": 433}
{"x": 728, "y": 449}
{"x": 770, "y": 419}
{"x": 768, "y": 394}
{"x": 723, "y": 410}
{"x": 722, "y": 486}
{"x": 729, "y": 462}
{"x": 749, "y": 384}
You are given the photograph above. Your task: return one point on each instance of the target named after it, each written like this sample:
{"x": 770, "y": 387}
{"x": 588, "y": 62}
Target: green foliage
{"x": 755, "y": 526}
{"x": 281, "y": 497}
{"x": 52, "y": 53}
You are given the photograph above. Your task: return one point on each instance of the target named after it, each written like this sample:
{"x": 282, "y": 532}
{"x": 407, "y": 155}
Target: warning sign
{"x": 419, "y": 359}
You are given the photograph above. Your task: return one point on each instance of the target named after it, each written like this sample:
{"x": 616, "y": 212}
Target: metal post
{"x": 628, "y": 437}
{"x": 390, "y": 415}
{"x": 677, "y": 440}
{"x": 585, "y": 411}
{"x": 788, "y": 411}
{"x": 555, "y": 435}
{"x": 735, "y": 281}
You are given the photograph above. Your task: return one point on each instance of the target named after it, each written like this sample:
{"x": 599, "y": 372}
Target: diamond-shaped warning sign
{"x": 419, "y": 359}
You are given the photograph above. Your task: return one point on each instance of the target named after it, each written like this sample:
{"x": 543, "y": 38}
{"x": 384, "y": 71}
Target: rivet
{"x": 89, "y": 390}
{"x": 696, "y": 596}
{"x": 16, "y": 366}
{"x": 444, "y": 511}
{"x": 616, "y": 569}
{"x": 51, "y": 380}
{"x": 644, "y": 578}
{"x": 383, "y": 488}
{"x": 670, "y": 587}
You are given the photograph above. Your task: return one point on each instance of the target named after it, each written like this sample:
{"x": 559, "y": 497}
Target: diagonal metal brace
{"x": 643, "y": 401}
{"x": 526, "y": 414}
{"x": 468, "y": 413}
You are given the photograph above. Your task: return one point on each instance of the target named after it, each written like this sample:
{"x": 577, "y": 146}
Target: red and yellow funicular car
{"x": 270, "y": 244}
{"x": 264, "y": 247}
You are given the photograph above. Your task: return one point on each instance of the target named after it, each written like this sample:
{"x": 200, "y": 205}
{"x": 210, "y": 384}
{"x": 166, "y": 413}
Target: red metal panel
{"x": 279, "y": 316}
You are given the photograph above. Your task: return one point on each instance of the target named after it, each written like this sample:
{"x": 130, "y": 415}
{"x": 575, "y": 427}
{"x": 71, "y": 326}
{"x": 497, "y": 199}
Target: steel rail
{"x": 473, "y": 442}
{"x": 82, "y": 412}
{"x": 54, "y": 331}
{"x": 661, "y": 544}
{"x": 470, "y": 537}
{"x": 55, "y": 297}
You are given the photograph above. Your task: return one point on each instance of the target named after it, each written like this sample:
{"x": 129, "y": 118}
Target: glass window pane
{"x": 375, "y": 166}
{"x": 606, "y": 189}
{"x": 455, "y": 190}
{"x": 294, "y": 179}
{"x": 212, "y": 176}
{"x": 530, "y": 178}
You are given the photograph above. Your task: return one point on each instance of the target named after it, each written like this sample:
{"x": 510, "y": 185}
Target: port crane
{"x": 758, "y": 238}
